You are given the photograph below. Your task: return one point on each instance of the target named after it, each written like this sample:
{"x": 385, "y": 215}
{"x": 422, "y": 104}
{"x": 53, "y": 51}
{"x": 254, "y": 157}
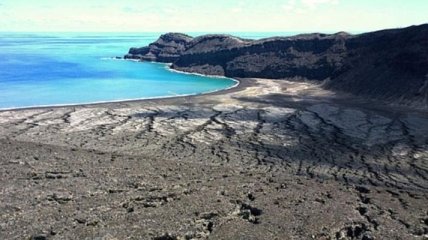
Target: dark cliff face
{"x": 167, "y": 48}
{"x": 313, "y": 57}
{"x": 388, "y": 64}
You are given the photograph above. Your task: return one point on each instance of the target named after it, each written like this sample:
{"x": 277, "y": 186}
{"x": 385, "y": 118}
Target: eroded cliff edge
{"x": 390, "y": 64}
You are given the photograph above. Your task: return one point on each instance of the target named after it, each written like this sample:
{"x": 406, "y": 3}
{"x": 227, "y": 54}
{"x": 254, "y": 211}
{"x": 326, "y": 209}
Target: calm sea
{"x": 39, "y": 69}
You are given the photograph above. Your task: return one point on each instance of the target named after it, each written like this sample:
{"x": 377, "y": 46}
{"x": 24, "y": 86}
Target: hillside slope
{"x": 389, "y": 64}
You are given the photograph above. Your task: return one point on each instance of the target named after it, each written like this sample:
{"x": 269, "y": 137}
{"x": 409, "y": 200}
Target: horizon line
{"x": 220, "y": 31}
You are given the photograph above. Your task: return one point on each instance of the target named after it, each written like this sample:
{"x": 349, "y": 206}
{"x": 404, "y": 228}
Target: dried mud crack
{"x": 268, "y": 160}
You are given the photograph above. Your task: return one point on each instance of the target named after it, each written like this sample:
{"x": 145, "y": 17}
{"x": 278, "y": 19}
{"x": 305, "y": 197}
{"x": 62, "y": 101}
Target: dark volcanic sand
{"x": 267, "y": 160}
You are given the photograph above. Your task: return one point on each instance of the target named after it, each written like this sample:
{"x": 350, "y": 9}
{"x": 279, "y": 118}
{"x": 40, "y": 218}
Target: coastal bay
{"x": 42, "y": 69}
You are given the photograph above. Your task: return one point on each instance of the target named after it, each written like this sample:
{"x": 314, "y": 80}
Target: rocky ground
{"x": 267, "y": 160}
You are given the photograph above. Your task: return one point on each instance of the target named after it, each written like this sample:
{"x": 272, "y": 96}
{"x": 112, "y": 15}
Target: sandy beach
{"x": 269, "y": 159}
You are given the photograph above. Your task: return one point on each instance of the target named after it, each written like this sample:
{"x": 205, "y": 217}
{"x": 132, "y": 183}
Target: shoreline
{"x": 236, "y": 86}
{"x": 241, "y": 84}
{"x": 338, "y": 98}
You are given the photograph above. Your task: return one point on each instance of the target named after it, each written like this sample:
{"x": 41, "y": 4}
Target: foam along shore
{"x": 238, "y": 162}
{"x": 173, "y": 95}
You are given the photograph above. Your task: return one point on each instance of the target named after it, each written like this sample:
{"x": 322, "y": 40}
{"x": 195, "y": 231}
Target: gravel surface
{"x": 270, "y": 159}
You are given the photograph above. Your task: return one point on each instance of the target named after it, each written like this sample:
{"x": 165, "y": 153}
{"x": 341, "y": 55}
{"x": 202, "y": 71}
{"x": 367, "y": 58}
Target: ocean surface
{"x": 46, "y": 69}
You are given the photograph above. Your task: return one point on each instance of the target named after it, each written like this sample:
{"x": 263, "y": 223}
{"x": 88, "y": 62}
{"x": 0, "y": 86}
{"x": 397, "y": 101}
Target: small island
{"x": 305, "y": 138}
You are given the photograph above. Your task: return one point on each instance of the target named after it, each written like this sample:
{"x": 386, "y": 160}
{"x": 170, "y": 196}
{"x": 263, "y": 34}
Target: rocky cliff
{"x": 389, "y": 64}
{"x": 166, "y": 49}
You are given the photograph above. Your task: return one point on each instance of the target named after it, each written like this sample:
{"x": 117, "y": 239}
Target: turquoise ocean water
{"x": 44, "y": 69}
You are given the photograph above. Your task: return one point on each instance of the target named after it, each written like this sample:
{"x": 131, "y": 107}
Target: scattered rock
{"x": 251, "y": 197}
{"x": 80, "y": 220}
{"x": 247, "y": 212}
{"x": 208, "y": 215}
{"x": 362, "y": 210}
{"x": 355, "y": 231}
{"x": 320, "y": 200}
{"x": 166, "y": 236}
{"x": 116, "y": 190}
{"x": 60, "y": 198}
{"x": 39, "y": 237}
{"x": 57, "y": 174}
{"x": 362, "y": 189}
{"x": 156, "y": 201}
